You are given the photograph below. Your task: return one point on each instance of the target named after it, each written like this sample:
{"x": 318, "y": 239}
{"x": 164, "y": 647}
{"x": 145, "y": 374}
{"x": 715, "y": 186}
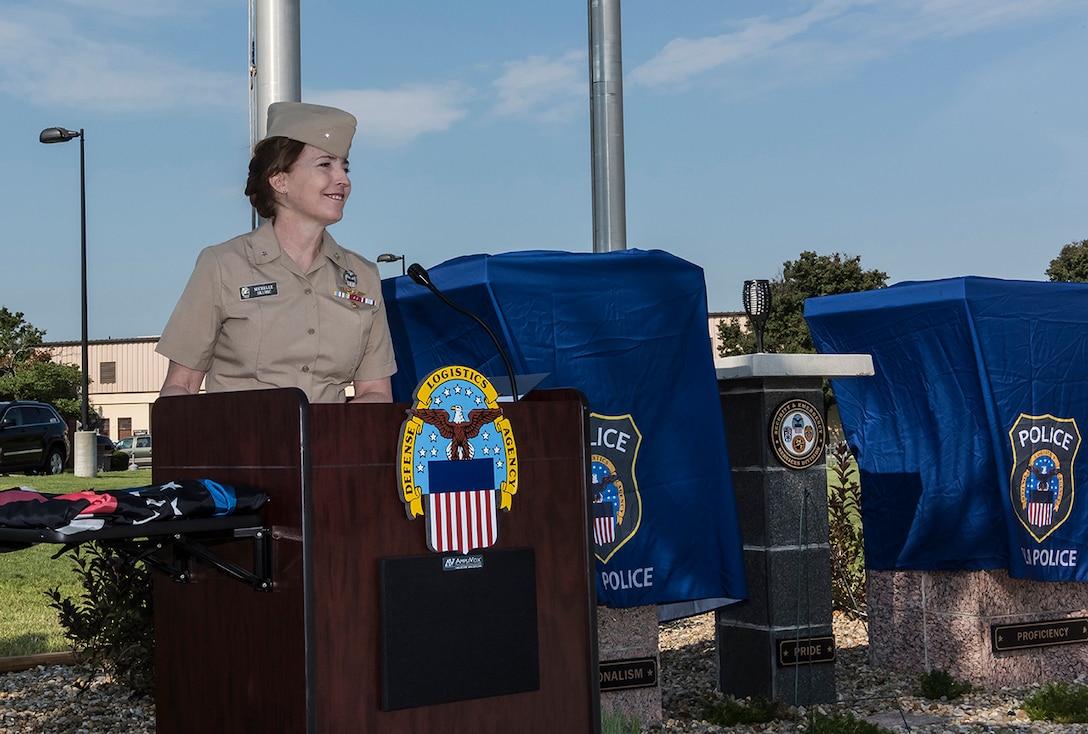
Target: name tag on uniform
{"x": 257, "y": 291}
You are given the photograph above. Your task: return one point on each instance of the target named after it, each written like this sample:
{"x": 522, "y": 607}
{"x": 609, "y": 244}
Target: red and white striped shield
{"x": 461, "y": 521}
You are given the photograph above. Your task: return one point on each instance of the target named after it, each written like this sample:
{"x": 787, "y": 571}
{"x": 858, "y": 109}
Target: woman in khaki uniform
{"x": 285, "y": 305}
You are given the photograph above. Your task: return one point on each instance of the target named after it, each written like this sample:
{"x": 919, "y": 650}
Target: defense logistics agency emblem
{"x": 617, "y": 506}
{"x": 1041, "y": 486}
{"x": 459, "y": 463}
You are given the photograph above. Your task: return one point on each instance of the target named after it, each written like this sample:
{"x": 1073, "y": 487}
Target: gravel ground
{"x": 71, "y": 700}
{"x": 881, "y": 697}
{"x": 59, "y": 699}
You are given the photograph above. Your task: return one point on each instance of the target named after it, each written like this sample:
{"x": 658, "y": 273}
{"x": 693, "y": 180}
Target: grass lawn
{"x": 28, "y": 625}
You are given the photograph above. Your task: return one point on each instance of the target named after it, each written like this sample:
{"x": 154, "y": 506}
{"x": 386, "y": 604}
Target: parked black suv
{"x": 33, "y": 438}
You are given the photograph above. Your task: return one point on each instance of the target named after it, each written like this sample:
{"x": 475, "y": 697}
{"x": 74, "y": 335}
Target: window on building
{"x": 104, "y": 427}
{"x": 124, "y": 427}
{"x": 107, "y": 372}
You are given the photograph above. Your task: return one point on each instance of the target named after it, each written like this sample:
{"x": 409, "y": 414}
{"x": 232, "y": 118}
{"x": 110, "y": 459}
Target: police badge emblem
{"x": 459, "y": 463}
{"x": 1041, "y": 485}
{"x": 617, "y": 505}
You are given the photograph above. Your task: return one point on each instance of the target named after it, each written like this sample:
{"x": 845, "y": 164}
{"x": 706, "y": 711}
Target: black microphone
{"x": 420, "y": 276}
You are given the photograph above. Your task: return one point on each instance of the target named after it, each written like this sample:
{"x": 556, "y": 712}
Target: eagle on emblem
{"x": 1043, "y": 473}
{"x": 601, "y": 484}
{"x": 458, "y": 428}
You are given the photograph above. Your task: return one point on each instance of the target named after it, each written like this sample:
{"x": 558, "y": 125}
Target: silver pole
{"x": 275, "y": 66}
{"x": 606, "y": 126}
{"x": 275, "y": 59}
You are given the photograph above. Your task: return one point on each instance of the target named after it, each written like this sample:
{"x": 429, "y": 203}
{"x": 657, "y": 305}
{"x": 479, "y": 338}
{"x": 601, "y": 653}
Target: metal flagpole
{"x": 275, "y": 67}
{"x": 606, "y": 126}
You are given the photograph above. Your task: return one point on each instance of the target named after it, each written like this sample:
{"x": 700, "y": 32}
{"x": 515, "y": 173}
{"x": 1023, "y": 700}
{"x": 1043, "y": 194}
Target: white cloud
{"x": 833, "y": 33}
{"x": 396, "y": 117}
{"x": 548, "y": 90}
{"x": 951, "y": 18}
{"x": 117, "y": 9}
{"x": 683, "y": 58}
{"x": 51, "y": 61}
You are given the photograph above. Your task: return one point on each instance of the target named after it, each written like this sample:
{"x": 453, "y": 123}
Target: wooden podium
{"x": 365, "y": 629}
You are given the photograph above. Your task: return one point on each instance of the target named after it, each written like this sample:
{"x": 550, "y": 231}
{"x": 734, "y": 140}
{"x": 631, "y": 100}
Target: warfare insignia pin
{"x": 1041, "y": 486}
{"x": 459, "y": 463}
{"x": 617, "y": 505}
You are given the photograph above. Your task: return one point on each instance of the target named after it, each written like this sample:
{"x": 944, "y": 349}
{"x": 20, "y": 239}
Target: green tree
{"x": 45, "y": 380}
{"x": 28, "y": 372}
{"x": 809, "y": 276}
{"x": 1071, "y": 264}
{"x": 18, "y": 340}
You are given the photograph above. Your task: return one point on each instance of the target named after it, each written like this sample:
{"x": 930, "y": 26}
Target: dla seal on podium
{"x": 459, "y": 463}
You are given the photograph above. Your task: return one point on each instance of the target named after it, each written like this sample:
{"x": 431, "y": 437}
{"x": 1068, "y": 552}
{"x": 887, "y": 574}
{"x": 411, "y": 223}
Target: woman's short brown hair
{"x": 270, "y": 156}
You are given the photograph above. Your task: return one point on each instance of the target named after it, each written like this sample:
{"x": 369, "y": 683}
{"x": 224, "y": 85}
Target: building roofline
{"x": 78, "y": 342}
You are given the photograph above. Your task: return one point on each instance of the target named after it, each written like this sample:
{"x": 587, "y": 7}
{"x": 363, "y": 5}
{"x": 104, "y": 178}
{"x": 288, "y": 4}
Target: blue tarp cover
{"x": 967, "y": 437}
{"x": 628, "y": 329}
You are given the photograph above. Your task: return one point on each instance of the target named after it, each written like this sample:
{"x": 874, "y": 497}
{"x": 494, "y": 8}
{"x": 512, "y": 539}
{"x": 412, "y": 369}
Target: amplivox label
{"x": 616, "y": 675}
{"x": 1038, "y": 634}
{"x": 462, "y": 563}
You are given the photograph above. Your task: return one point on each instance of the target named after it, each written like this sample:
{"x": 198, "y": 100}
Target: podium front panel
{"x": 458, "y": 628}
{"x": 308, "y": 656}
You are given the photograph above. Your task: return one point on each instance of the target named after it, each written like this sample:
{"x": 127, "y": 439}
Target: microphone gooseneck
{"x": 419, "y": 275}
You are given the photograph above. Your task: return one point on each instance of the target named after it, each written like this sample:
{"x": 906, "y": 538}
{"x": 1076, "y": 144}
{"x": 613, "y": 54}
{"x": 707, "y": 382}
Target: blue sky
{"x": 932, "y": 138}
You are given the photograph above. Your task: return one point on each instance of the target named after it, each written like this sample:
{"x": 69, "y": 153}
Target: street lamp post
{"x": 388, "y": 257}
{"x": 86, "y": 446}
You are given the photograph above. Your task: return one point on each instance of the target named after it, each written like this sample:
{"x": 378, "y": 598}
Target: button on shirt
{"x": 251, "y": 319}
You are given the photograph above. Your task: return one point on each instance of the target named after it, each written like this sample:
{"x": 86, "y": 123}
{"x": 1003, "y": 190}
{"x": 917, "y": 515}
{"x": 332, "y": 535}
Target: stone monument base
{"x": 625, "y": 634}
{"x": 943, "y": 620}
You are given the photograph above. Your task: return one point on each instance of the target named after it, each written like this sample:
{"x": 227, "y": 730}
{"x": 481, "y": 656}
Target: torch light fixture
{"x": 757, "y": 304}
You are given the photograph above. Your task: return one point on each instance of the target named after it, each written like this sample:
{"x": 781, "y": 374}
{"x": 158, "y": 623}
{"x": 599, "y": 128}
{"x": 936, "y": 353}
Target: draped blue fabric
{"x": 629, "y": 330}
{"x": 967, "y": 435}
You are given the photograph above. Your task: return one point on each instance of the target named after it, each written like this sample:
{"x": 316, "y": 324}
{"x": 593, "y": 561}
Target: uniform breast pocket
{"x": 345, "y": 338}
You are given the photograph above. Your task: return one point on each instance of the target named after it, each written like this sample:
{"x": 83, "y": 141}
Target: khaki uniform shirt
{"x": 251, "y": 319}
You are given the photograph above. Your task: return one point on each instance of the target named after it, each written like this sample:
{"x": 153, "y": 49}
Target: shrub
{"x": 614, "y": 723}
{"x": 758, "y": 710}
{"x": 843, "y": 724}
{"x": 939, "y": 684}
{"x": 110, "y": 625}
{"x": 1059, "y": 702}
{"x": 119, "y": 461}
{"x": 844, "y": 524}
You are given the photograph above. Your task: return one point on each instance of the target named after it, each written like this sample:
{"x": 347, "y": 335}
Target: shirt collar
{"x": 265, "y": 247}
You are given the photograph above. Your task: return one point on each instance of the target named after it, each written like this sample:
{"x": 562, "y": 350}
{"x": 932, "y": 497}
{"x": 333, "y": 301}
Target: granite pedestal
{"x": 779, "y": 644}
